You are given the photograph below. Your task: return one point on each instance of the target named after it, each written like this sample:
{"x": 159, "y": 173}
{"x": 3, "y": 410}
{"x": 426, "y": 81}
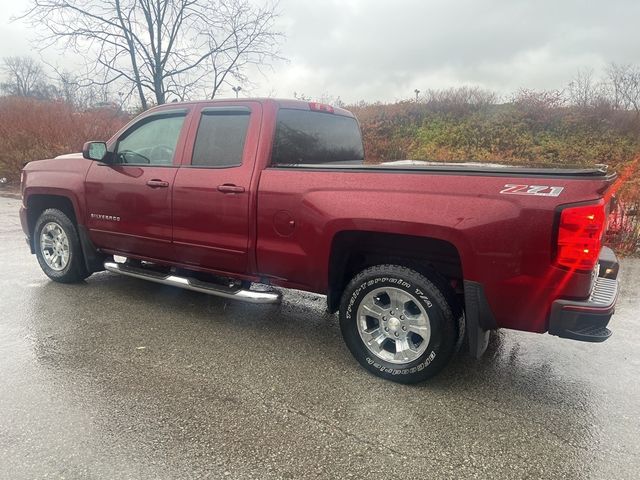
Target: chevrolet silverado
{"x": 226, "y": 196}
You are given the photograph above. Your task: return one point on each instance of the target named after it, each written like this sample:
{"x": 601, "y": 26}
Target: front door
{"x": 129, "y": 199}
{"x": 212, "y": 195}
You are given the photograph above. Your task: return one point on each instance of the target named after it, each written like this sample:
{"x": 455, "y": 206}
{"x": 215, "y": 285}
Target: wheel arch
{"x": 37, "y": 203}
{"x": 352, "y": 251}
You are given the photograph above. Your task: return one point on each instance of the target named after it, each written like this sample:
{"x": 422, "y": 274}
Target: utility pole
{"x": 417, "y": 92}
{"x": 237, "y": 90}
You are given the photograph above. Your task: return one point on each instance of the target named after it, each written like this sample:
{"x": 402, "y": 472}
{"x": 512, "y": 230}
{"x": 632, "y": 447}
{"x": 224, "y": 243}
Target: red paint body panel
{"x": 504, "y": 241}
{"x": 63, "y": 176}
{"x": 144, "y": 213}
{"x": 211, "y": 228}
{"x": 282, "y": 226}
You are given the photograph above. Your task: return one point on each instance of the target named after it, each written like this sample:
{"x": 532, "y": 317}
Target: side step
{"x": 188, "y": 283}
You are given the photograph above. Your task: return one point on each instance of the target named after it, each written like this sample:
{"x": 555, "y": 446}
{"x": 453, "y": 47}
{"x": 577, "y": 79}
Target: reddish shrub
{"x": 32, "y": 129}
{"x": 623, "y": 231}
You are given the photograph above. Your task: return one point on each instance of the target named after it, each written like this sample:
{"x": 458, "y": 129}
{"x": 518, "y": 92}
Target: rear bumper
{"x": 587, "y": 320}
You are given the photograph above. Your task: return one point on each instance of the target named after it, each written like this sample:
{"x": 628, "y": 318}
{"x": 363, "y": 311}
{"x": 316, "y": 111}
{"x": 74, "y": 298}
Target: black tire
{"x": 442, "y": 318}
{"x": 75, "y": 269}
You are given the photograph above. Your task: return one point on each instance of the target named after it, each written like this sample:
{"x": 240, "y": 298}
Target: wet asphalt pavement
{"x": 118, "y": 378}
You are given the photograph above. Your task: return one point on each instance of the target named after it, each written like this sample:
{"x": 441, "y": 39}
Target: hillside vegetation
{"x": 530, "y": 129}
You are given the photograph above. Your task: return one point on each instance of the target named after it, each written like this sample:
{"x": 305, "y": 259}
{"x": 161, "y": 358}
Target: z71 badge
{"x": 540, "y": 190}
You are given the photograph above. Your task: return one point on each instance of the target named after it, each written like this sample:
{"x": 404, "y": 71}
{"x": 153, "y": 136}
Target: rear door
{"x": 129, "y": 200}
{"x": 211, "y": 199}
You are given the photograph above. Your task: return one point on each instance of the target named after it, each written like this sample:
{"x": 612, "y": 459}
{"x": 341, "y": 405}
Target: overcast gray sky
{"x": 383, "y": 50}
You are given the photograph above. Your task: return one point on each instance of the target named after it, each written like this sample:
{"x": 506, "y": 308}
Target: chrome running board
{"x": 187, "y": 283}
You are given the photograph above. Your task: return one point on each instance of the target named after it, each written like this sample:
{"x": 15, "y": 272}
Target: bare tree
{"x": 161, "y": 49}
{"x": 24, "y": 77}
{"x": 71, "y": 89}
{"x": 539, "y": 99}
{"x": 625, "y": 86}
{"x": 583, "y": 89}
{"x": 249, "y": 39}
{"x": 459, "y": 100}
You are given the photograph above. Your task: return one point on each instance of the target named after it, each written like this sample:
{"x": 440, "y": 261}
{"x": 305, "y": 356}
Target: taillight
{"x": 580, "y": 236}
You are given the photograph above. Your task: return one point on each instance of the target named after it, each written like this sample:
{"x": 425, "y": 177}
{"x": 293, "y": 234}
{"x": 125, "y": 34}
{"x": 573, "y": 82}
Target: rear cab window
{"x": 313, "y": 138}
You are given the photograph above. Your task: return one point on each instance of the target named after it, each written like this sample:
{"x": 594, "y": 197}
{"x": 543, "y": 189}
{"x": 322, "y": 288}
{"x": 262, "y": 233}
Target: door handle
{"x": 228, "y": 188}
{"x": 155, "y": 183}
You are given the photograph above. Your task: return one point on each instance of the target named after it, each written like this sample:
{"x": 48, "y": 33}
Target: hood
{"x": 71, "y": 162}
{"x": 67, "y": 156}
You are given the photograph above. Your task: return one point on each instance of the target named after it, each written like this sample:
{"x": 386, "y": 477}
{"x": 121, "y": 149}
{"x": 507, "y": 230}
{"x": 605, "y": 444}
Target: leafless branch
{"x": 161, "y": 49}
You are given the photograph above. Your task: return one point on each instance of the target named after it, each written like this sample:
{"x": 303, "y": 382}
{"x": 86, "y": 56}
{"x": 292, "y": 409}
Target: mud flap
{"x": 93, "y": 259}
{"x": 478, "y": 339}
{"x": 479, "y": 319}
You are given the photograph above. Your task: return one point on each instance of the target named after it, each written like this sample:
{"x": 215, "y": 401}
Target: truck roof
{"x": 279, "y": 102}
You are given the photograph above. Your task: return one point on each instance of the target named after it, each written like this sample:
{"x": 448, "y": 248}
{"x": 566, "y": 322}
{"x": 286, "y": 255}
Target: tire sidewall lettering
{"x": 402, "y": 371}
{"x": 381, "y": 280}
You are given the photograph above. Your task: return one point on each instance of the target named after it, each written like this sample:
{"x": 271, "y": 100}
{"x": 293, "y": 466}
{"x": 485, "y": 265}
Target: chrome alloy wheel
{"x": 393, "y": 325}
{"x": 54, "y": 246}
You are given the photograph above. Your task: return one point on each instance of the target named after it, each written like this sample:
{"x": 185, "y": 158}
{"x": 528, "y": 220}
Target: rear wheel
{"x": 57, "y": 247}
{"x": 398, "y": 324}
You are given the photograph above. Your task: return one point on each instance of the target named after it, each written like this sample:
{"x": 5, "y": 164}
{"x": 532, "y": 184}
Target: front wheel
{"x": 398, "y": 324}
{"x": 57, "y": 247}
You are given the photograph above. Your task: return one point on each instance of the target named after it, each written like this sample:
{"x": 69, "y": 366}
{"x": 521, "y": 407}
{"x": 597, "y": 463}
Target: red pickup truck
{"x": 222, "y": 196}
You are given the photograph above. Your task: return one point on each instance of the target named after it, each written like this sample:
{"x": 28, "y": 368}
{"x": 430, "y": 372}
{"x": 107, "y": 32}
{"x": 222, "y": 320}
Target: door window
{"x": 151, "y": 142}
{"x": 220, "y": 138}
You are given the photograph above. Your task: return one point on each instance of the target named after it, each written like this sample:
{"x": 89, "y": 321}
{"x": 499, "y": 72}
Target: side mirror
{"x": 94, "y": 151}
